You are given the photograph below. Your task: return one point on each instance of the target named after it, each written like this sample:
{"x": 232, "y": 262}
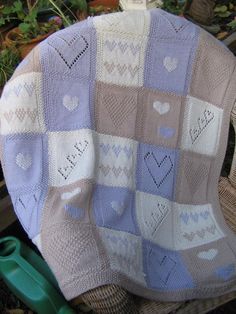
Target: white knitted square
{"x": 125, "y": 253}
{"x": 194, "y": 225}
{"x": 21, "y": 105}
{"x": 155, "y": 219}
{"x": 132, "y": 23}
{"x": 71, "y": 156}
{"x": 201, "y": 127}
{"x": 116, "y": 161}
{"x": 120, "y": 59}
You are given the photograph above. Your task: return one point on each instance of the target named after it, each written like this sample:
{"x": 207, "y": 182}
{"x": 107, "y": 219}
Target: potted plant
{"x": 9, "y": 59}
{"x": 80, "y": 8}
{"x": 30, "y": 31}
{"x": 8, "y": 20}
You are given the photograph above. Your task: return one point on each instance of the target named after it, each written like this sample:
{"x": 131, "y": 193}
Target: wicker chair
{"x": 112, "y": 299}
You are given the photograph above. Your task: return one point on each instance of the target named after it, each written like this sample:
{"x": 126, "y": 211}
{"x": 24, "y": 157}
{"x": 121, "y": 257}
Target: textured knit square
{"x": 116, "y": 109}
{"x": 192, "y": 178}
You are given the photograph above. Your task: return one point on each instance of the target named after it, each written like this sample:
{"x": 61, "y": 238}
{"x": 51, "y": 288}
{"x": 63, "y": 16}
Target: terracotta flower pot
{"x": 24, "y": 47}
{"x": 105, "y": 5}
{"x": 4, "y": 30}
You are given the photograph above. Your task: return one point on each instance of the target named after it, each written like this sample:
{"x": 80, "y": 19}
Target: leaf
{"x": 2, "y": 21}
{"x": 17, "y": 5}
{"x": 7, "y": 10}
{"x": 231, "y": 6}
{"x": 222, "y": 8}
{"x": 224, "y": 14}
{"x": 24, "y": 27}
{"x": 232, "y": 24}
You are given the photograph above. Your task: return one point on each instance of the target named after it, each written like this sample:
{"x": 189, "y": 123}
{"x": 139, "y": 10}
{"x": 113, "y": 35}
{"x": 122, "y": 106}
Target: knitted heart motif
{"x": 23, "y": 161}
{"x": 70, "y": 102}
{"x": 68, "y": 195}
{"x": 170, "y": 63}
{"x": 226, "y": 272}
{"x": 161, "y": 108}
{"x": 74, "y": 212}
{"x": 118, "y": 207}
{"x": 167, "y": 132}
{"x": 208, "y": 255}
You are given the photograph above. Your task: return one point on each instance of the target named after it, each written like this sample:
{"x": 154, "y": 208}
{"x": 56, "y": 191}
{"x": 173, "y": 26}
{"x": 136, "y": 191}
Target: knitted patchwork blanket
{"x": 113, "y": 135}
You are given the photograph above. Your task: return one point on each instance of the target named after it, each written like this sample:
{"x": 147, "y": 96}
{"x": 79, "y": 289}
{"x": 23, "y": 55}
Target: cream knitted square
{"x": 120, "y": 59}
{"x": 67, "y": 152}
{"x": 21, "y": 105}
{"x": 194, "y": 225}
{"x": 201, "y": 125}
{"x": 116, "y": 157}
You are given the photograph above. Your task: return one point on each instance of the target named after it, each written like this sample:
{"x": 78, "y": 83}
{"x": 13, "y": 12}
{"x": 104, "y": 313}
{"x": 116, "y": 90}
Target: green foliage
{"x": 222, "y": 11}
{"x": 9, "y": 59}
{"x": 173, "y": 6}
{"x": 29, "y": 26}
{"x": 232, "y": 24}
{"x": 80, "y": 5}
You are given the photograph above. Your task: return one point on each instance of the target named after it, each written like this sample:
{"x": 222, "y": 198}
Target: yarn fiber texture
{"x": 113, "y": 135}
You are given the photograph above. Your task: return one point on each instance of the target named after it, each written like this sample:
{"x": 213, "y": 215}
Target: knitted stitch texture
{"x": 113, "y": 134}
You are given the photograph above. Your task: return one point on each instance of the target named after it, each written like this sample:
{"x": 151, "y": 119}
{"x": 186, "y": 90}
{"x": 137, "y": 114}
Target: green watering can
{"x": 30, "y": 279}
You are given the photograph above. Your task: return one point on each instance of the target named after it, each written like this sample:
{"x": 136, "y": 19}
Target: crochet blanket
{"x": 113, "y": 134}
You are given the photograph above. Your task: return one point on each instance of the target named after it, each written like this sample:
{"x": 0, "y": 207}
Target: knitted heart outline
{"x": 155, "y": 176}
{"x": 77, "y": 46}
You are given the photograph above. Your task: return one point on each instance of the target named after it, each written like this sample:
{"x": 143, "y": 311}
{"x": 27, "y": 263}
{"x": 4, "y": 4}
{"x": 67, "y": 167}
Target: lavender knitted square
{"x": 156, "y": 167}
{"x": 169, "y": 61}
{"x": 165, "y": 269}
{"x": 71, "y": 106}
{"x": 113, "y": 208}
{"x": 23, "y": 160}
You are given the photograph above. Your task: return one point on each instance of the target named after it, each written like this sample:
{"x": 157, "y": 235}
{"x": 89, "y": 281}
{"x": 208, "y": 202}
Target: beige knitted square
{"x": 116, "y": 110}
{"x": 192, "y": 178}
{"x": 211, "y": 71}
{"x": 161, "y": 118}
{"x": 210, "y": 262}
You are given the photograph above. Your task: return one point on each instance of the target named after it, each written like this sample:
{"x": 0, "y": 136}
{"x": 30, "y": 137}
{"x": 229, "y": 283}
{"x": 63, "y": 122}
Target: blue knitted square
{"x": 165, "y": 269}
{"x": 114, "y": 208}
{"x": 23, "y": 161}
{"x": 156, "y": 170}
{"x": 169, "y": 61}
{"x": 69, "y": 53}
{"x": 70, "y": 105}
